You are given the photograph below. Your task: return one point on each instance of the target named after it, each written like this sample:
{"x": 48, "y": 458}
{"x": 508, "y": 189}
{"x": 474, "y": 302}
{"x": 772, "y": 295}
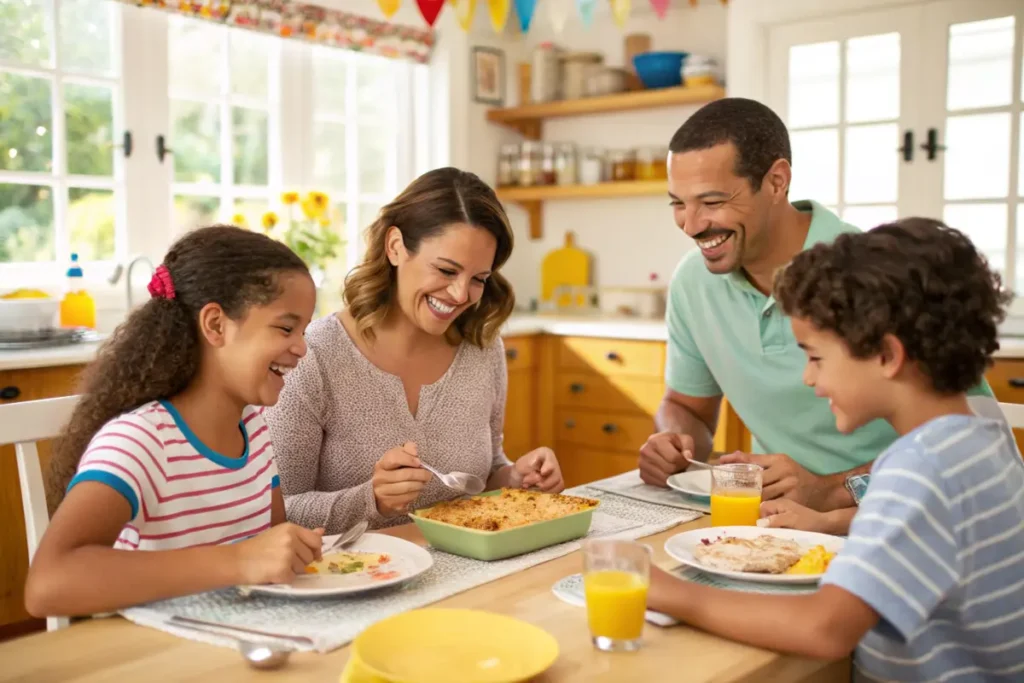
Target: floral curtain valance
{"x": 311, "y": 23}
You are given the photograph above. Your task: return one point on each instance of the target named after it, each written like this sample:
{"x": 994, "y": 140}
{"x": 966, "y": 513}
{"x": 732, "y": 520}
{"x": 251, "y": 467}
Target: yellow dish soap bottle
{"x": 77, "y": 309}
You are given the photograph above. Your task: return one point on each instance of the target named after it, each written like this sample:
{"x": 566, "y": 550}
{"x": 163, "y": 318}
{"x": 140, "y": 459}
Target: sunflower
{"x": 240, "y": 220}
{"x": 319, "y": 200}
{"x": 288, "y": 198}
{"x": 269, "y": 220}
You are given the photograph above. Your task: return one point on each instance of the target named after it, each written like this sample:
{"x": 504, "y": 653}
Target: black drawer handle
{"x": 511, "y": 354}
{"x": 570, "y": 424}
{"x": 609, "y": 428}
{"x": 576, "y": 388}
{"x": 1017, "y": 382}
{"x": 10, "y": 393}
{"x": 612, "y": 356}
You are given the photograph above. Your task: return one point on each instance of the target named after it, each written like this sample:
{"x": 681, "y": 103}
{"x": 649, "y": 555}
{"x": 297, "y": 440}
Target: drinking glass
{"x": 616, "y": 575}
{"x": 735, "y": 494}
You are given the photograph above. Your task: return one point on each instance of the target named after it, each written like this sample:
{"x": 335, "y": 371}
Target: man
{"x": 729, "y": 178}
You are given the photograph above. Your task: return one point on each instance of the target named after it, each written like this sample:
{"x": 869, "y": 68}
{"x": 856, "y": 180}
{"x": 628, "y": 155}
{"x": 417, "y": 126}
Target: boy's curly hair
{"x": 917, "y": 279}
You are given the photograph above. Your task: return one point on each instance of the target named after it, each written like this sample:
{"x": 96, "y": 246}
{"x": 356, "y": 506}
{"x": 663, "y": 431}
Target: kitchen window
{"x": 241, "y": 117}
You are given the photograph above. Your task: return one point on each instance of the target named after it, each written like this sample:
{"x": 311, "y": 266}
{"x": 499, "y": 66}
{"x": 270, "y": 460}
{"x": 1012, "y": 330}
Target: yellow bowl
{"x": 453, "y": 646}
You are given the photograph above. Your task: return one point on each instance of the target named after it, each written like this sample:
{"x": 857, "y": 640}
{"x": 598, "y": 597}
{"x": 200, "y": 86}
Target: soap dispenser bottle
{"x": 77, "y": 309}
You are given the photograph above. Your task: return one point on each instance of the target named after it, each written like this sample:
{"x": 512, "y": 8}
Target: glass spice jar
{"x": 623, "y": 165}
{"x": 529, "y": 164}
{"x": 591, "y": 166}
{"x": 565, "y": 164}
{"x": 508, "y": 165}
{"x": 547, "y": 165}
{"x": 651, "y": 163}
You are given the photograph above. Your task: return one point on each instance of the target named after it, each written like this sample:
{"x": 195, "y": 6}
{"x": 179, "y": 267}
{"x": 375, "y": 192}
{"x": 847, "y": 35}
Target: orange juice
{"x": 616, "y": 601}
{"x": 739, "y": 507}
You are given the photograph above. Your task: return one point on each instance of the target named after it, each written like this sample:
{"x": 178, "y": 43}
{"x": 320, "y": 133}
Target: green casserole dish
{"x": 498, "y": 545}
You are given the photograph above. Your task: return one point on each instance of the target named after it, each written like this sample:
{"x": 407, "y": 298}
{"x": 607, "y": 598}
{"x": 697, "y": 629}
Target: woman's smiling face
{"x": 445, "y": 277}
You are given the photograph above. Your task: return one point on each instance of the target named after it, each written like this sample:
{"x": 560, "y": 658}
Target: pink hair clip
{"x": 160, "y": 285}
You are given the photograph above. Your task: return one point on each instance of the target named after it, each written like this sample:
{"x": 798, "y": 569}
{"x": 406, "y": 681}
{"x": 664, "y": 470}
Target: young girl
{"x": 165, "y": 452}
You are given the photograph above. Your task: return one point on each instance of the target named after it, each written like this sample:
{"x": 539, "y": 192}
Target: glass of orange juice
{"x": 735, "y": 495}
{"x": 616, "y": 575}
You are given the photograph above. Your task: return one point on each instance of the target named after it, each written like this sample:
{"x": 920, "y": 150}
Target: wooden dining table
{"x": 114, "y": 649}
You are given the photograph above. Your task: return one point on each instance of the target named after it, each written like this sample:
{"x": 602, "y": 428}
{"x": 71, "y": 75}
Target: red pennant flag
{"x": 430, "y": 9}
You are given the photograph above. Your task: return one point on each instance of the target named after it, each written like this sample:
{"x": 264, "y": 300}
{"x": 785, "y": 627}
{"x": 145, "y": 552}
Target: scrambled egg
{"x": 814, "y": 561}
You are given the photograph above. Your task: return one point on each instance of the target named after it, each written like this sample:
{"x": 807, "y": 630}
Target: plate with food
{"x": 372, "y": 562}
{"x": 694, "y": 483}
{"x": 500, "y": 524}
{"x": 748, "y": 553}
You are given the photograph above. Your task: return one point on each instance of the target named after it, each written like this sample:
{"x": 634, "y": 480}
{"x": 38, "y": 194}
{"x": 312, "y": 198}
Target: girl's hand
{"x": 538, "y": 469}
{"x": 278, "y": 554}
{"x": 398, "y": 480}
{"x": 787, "y": 514}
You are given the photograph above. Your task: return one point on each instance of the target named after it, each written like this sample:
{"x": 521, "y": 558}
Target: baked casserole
{"x": 507, "y": 510}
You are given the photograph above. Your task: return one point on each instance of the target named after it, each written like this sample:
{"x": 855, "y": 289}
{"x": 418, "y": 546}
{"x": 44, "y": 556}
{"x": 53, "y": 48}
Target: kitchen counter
{"x": 69, "y": 354}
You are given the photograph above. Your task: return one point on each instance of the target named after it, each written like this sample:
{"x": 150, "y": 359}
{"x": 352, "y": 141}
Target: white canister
{"x": 591, "y": 166}
{"x": 545, "y": 73}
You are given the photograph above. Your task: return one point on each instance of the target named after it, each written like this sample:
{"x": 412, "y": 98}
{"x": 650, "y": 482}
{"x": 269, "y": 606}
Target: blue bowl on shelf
{"x": 660, "y": 69}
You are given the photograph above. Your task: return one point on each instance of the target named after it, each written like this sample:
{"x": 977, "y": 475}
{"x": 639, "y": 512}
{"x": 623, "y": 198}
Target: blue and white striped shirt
{"x": 937, "y": 549}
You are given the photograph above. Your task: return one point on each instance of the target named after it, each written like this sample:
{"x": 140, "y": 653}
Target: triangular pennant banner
{"x": 498, "y": 9}
{"x": 524, "y": 10}
{"x": 660, "y": 7}
{"x": 620, "y": 11}
{"x": 430, "y": 9}
{"x": 558, "y": 14}
{"x": 465, "y": 10}
{"x": 586, "y": 10}
{"x": 389, "y": 7}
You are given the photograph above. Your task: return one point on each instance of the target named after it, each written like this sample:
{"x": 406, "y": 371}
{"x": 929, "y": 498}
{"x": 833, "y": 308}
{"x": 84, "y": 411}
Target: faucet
{"x": 119, "y": 269}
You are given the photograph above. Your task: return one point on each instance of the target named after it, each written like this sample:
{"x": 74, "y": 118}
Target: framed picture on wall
{"x": 488, "y": 76}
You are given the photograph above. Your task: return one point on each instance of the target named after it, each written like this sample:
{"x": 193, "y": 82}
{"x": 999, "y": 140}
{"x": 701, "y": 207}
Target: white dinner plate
{"x": 404, "y": 561}
{"x": 694, "y": 483}
{"x": 681, "y": 547}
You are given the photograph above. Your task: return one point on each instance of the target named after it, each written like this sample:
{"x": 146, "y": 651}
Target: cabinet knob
{"x": 511, "y": 354}
{"x": 1017, "y": 382}
{"x": 576, "y": 388}
{"x": 10, "y": 393}
{"x": 570, "y": 423}
{"x": 609, "y": 428}
{"x": 612, "y": 356}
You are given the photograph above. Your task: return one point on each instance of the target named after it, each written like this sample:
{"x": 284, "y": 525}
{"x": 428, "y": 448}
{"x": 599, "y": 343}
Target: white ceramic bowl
{"x": 28, "y": 315}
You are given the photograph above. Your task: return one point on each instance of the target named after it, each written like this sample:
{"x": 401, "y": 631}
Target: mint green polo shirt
{"x": 727, "y": 338}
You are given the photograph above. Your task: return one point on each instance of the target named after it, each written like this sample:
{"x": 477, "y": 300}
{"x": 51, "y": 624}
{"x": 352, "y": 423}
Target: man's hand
{"x": 784, "y": 478}
{"x": 664, "y": 454}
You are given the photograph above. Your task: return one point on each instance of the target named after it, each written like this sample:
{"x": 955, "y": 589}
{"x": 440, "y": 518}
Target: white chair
{"x": 25, "y": 424}
{"x": 1014, "y": 414}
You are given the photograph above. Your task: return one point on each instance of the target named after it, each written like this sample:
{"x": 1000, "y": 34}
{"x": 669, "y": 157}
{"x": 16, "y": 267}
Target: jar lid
{"x": 582, "y": 57}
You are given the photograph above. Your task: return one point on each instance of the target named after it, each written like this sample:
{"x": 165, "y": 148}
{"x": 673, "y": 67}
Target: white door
{"x": 973, "y": 114}
{"x": 848, "y": 89}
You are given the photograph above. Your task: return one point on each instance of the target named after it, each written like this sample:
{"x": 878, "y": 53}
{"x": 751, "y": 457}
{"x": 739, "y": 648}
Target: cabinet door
{"x": 31, "y": 385}
{"x": 520, "y": 432}
{"x": 583, "y": 464}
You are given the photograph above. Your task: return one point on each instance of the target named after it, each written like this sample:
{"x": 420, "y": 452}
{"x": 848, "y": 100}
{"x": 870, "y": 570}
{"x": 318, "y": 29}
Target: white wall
{"x": 628, "y": 238}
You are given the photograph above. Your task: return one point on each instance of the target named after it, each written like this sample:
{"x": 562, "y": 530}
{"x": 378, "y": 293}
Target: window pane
{"x": 251, "y": 211}
{"x": 873, "y": 77}
{"x": 329, "y": 155}
{"x": 815, "y": 165}
{"x": 985, "y": 224}
{"x": 196, "y": 51}
{"x": 367, "y": 215}
{"x": 26, "y": 144}
{"x": 374, "y": 159}
{"x": 87, "y": 39}
{"x": 977, "y": 156}
{"x": 329, "y": 68}
{"x": 871, "y": 164}
{"x": 249, "y": 53}
{"x": 1019, "y": 285}
{"x": 376, "y": 89}
{"x": 91, "y": 223}
{"x": 26, "y": 223}
{"x": 196, "y": 141}
{"x": 89, "y": 118}
{"x": 26, "y": 28}
{"x": 867, "y": 217}
{"x": 813, "y": 85}
{"x": 249, "y": 128}
{"x": 980, "y": 64}
{"x": 1020, "y": 158}
{"x": 195, "y": 212}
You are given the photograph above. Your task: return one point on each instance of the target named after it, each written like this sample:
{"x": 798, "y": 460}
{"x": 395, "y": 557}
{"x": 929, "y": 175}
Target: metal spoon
{"x": 348, "y": 538}
{"x": 263, "y": 655}
{"x": 458, "y": 481}
{"x": 699, "y": 465}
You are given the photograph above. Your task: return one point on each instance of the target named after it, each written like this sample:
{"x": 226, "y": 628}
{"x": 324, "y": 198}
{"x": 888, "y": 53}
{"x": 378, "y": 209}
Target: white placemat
{"x": 332, "y": 623}
{"x": 630, "y": 485}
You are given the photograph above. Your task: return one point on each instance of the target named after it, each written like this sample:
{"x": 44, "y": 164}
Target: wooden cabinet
{"x": 15, "y": 386}
{"x": 1006, "y": 377}
{"x": 520, "y": 409}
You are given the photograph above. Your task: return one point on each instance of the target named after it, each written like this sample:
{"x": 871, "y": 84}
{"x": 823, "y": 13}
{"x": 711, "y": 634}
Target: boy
{"x": 897, "y": 323}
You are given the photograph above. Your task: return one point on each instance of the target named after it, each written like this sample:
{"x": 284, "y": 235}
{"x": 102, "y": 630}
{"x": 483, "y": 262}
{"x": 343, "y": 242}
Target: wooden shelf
{"x": 532, "y": 198}
{"x": 528, "y": 119}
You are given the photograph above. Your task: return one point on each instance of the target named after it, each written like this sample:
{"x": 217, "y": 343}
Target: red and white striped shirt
{"x": 181, "y": 492}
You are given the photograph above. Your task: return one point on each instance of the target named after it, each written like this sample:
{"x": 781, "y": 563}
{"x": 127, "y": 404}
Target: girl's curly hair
{"x": 155, "y": 352}
{"x": 425, "y": 209}
{"x": 917, "y": 279}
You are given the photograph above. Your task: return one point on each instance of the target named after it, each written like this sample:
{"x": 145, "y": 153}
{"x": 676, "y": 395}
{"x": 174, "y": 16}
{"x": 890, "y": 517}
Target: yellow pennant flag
{"x": 620, "y": 11}
{"x": 498, "y": 10}
{"x": 464, "y": 11}
{"x": 389, "y": 7}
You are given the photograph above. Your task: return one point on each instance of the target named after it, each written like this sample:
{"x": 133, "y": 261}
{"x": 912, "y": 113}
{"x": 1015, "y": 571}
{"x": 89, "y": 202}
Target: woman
{"x": 412, "y": 368}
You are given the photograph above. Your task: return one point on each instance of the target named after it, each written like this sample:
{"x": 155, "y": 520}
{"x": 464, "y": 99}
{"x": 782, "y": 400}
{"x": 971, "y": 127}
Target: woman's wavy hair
{"x": 425, "y": 209}
{"x": 155, "y": 352}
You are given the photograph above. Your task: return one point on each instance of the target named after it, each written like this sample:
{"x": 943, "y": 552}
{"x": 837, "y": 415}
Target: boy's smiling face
{"x": 855, "y": 387}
